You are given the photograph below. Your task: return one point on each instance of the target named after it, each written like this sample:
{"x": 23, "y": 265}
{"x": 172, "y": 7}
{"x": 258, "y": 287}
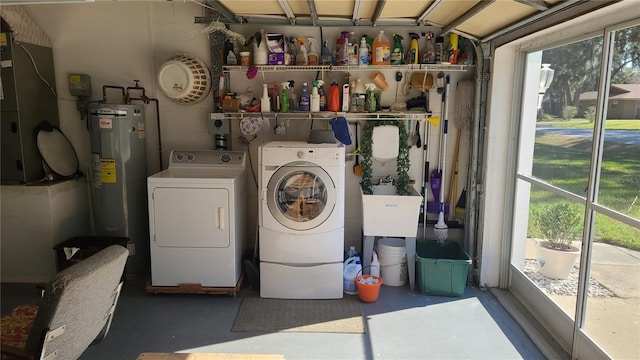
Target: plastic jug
{"x": 351, "y": 253}
{"x": 381, "y": 51}
{"x": 352, "y": 267}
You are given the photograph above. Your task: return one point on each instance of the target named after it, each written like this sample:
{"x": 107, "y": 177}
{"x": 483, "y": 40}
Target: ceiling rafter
{"x": 313, "y": 12}
{"x": 422, "y": 19}
{"x": 284, "y": 5}
{"x": 483, "y": 4}
{"x": 356, "y": 12}
{"x": 378, "y": 11}
{"x": 536, "y": 4}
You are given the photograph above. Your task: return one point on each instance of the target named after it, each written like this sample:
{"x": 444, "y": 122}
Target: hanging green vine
{"x": 402, "y": 162}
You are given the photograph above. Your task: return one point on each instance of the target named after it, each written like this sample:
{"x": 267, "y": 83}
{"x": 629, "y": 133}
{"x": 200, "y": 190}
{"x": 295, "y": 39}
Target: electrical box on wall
{"x": 80, "y": 85}
{"x": 217, "y": 124}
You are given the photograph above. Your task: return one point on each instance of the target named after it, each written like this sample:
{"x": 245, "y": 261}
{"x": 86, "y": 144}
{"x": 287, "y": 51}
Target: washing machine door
{"x": 301, "y": 195}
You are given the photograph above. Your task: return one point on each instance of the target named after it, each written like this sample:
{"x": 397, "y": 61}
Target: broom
{"x": 440, "y": 229}
{"x": 464, "y": 93}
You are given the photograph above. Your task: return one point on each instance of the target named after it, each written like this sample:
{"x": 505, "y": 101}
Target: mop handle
{"x": 445, "y": 128}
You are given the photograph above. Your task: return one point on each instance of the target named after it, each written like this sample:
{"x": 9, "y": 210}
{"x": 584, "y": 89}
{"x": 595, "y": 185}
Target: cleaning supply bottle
{"x": 353, "y": 49}
{"x": 352, "y": 267}
{"x": 346, "y": 97}
{"x": 381, "y": 50}
{"x": 333, "y": 100}
{"x": 314, "y": 103}
{"x": 351, "y": 252}
{"x": 291, "y": 97}
{"x": 305, "y": 98}
{"x": 265, "y": 102}
{"x": 322, "y": 95}
{"x": 326, "y": 58}
{"x": 301, "y": 57}
{"x": 397, "y": 54}
{"x": 293, "y": 54}
{"x": 312, "y": 56}
{"x": 371, "y": 101}
{"x": 429, "y": 56}
{"x": 440, "y": 50}
{"x": 453, "y": 49}
{"x": 342, "y": 48}
{"x": 358, "y": 96}
{"x": 284, "y": 98}
{"x": 260, "y": 51}
{"x": 412, "y": 54}
{"x": 375, "y": 265}
{"x": 363, "y": 52}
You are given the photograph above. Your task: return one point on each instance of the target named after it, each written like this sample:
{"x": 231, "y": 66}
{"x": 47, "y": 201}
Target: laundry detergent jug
{"x": 352, "y": 267}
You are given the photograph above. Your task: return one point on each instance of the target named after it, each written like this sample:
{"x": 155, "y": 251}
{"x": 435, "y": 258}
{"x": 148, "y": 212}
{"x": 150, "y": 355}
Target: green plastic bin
{"x": 441, "y": 268}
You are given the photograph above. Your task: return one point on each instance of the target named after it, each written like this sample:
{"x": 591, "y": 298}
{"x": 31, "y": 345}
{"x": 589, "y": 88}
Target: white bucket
{"x": 393, "y": 261}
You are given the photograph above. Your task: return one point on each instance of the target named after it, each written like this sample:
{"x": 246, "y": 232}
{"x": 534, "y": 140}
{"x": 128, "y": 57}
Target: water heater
{"x": 118, "y": 177}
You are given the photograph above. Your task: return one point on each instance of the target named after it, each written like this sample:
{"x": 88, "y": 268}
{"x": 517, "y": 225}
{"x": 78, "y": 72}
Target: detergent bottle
{"x": 352, "y": 252}
{"x": 397, "y": 54}
{"x": 412, "y": 54}
{"x": 352, "y": 267}
{"x": 292, "y": 98}
{"x": 284, "y": 98}
{"x": 305, "y": 98}
{"x": 381, "y": 50}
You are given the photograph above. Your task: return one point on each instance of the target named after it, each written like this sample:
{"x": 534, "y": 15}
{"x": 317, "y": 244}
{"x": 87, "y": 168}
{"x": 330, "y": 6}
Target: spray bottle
{"x": 265, "y": 102}
{"x": 291, "y": 97}
{"x": 453, "y": 49}
{"x": 397, "y": 54}
{"x": 314, "y": 104}
{"x": 313, "y": 57}
{"x": 412, "y": 54}
{"x": 429, "y": 56}
{"x": 322, "y": 94}
{"x": 284, "y": 98}
{"x": 301, "y": 58}
{"x": 342, "y": 48}
{"x": 326, "y": 58}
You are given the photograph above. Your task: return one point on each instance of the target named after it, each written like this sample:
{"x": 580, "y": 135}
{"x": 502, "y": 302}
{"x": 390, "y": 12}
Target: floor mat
{"x": 274, "y": 315}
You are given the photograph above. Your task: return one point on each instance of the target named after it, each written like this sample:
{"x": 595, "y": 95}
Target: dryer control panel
{"x": 205, "y": 158}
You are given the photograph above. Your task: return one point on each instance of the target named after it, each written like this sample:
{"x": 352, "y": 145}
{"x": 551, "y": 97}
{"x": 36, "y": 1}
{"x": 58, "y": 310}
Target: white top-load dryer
{"x": 301, "y": 220}
{"x": 196, "y": 219}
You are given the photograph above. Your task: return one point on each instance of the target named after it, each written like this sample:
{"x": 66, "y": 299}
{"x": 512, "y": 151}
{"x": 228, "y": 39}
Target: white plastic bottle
{"x": 375, "y": 265}
{"x": 352, "y": 252}
{"x": 352, "y": 268}
{"x": 260, "y": 52}
{"x": 265, "y": 101}
{"x": 314, "y": 103}
{"x": 363, "y": 52}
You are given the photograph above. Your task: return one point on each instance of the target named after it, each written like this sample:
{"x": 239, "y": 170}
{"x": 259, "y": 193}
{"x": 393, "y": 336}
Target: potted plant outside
{"x": 558, "y": 225}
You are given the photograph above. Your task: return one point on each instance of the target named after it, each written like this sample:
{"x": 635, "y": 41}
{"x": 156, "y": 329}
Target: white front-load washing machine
{"x": 301, "y": 220}
{"x": 196, "y": 219}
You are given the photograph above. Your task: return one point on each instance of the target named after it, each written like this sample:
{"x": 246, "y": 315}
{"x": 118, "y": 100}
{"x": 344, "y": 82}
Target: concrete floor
{"x": 401, "y": 324}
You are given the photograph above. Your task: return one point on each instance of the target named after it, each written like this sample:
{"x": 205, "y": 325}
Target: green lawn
{"x": 565, "y": 162}
{"x": 582, "y": 123}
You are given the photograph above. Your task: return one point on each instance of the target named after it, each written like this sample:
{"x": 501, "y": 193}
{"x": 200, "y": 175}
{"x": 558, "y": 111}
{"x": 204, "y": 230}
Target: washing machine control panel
{"x": 206, "y": 158}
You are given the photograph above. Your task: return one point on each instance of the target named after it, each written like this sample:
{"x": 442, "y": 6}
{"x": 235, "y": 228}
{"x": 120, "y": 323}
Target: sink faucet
{"x": 388, "y": 180}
